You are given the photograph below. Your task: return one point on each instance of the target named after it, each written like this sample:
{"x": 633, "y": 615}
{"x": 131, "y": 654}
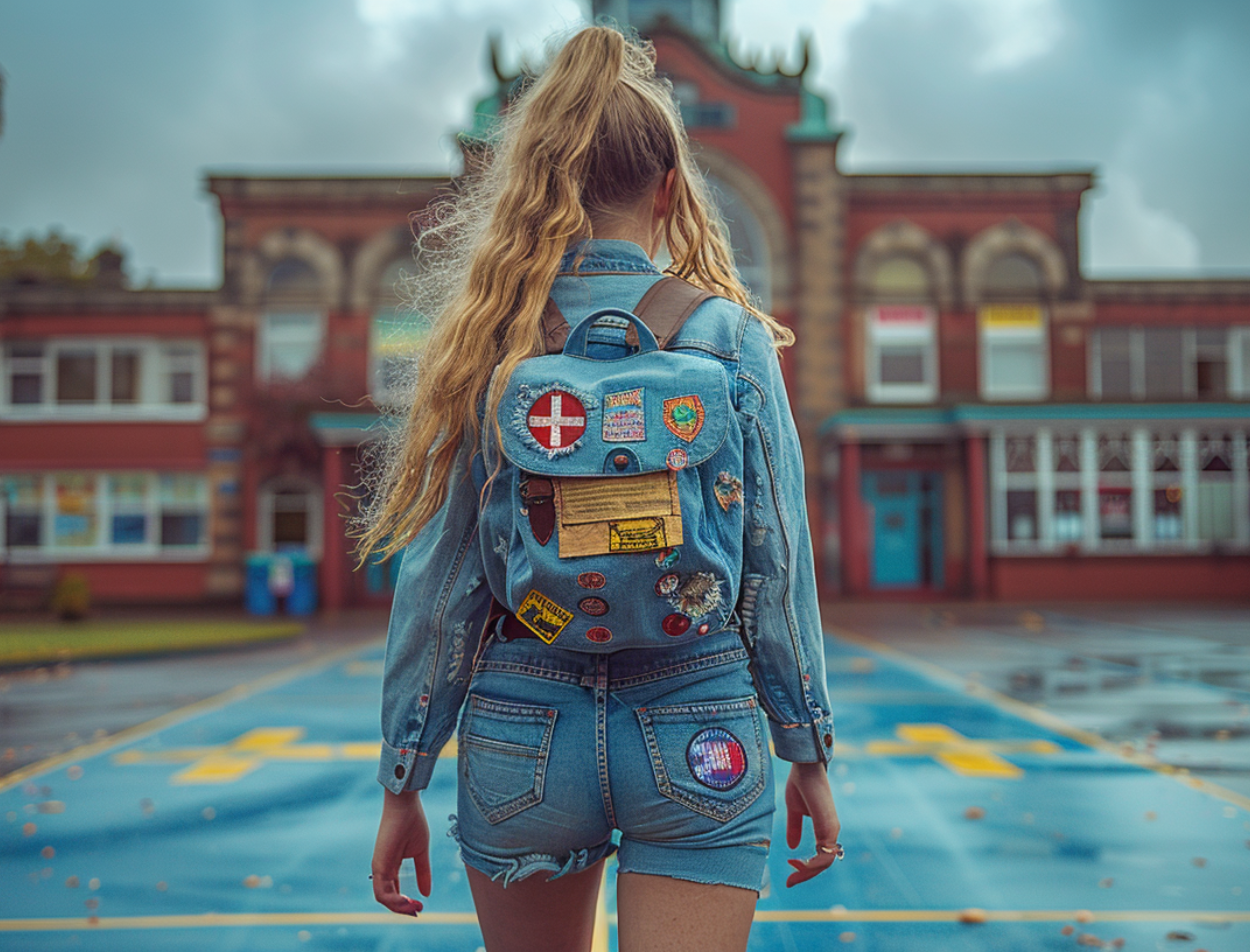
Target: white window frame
{"x": 879, "y": 334}
{"x": 265, "y": 343}
{"x": 154, "y": 363}
{"x": 1238, "y": 364}
{"x": 265, "y": 511}
{"x": 988, "y": 337}
{"x": 103, "y": 549}
{"x": 1237, "y": 340}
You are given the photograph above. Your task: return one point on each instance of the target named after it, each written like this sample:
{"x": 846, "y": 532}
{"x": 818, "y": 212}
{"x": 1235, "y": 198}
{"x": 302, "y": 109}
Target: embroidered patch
{"x": 593, "y": 606}
{"x": 637, "y": 535}
{"x": 699, "y": 594}
{"x": 551, "y": 419}
{"x": 677, "y": 458}
{"x": 684, "y": 417}
{"x": 667, "y": 584}
{"x": 591, "y": 580}
{"x": 728, "y": 490}
{"x": 716, "y": 758}
{"x": 542, "y": 616}
{"x": 623, "y": 419}
{"x": 667, "y": 558}
{"x": 600, "y": 636}
{"x": 704, "y": 628}
{"x": 675, "y": 624}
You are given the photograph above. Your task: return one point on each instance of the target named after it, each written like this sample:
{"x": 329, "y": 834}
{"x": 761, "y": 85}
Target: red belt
{"x": 513, "y": 629}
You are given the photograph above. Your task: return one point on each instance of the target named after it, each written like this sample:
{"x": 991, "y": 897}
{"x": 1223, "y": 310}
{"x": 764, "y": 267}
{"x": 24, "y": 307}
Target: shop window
{"x": 1215, "y": 488}
{"x": 74, "y": 523}
{"x": 1068, "y": 521}
{"x": 1022, "y": 515}
{"x": 1167, "y": 512}
{"x": 902, "y": 354}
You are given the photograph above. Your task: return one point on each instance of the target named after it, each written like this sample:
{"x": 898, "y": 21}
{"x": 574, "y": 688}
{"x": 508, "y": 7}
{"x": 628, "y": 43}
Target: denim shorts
{"x": 558, "y": 749}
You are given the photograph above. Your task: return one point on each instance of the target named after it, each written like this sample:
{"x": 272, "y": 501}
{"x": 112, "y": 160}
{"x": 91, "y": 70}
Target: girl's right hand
{"x": 402, "y": 833}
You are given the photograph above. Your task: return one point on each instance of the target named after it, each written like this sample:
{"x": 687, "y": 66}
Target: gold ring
{"x": 835, "y": 850}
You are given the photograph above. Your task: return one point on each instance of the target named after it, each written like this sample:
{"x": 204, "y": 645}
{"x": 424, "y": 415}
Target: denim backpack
{"x": 612, "y": 482}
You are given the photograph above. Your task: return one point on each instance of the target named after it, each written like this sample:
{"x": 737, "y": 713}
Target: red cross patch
{"x": 557, "y": 419}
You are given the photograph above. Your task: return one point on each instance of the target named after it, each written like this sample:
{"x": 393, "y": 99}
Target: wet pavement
{"x": 979, "y": 809}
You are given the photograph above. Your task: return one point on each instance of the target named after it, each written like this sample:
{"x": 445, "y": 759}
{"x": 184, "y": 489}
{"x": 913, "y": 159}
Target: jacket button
{"x": 828, "y": 740}
{"x": 399, "y": 771}
{"x": 620, "y": 461}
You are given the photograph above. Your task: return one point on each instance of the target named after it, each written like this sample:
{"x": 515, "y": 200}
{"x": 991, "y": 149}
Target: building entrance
{"x": 905, "y": 522}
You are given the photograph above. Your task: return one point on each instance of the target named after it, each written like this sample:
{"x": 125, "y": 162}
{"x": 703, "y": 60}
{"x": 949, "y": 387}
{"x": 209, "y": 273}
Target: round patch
{"x": 716, "y": 758}
{"x": 591, "y": 580}
{"x": 557, "y": 420}
{"x": 667, "y": 558}
{"x": 593, "y": 606}
{"x": 675, "y": 624}
{"x": 667, "y": 584}
{"x": 677, "y": 458}
{"x": 704, "y": 628}
{"x": 600, "y": 636}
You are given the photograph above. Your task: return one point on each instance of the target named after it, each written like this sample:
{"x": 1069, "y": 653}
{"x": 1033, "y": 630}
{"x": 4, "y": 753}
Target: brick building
{"x": 978, "y": 418}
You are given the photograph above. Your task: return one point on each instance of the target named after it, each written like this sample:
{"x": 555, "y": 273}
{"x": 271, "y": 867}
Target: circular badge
{"x": 675, "y": 624}
{"x": 667, "y": 558}
{"x": 593, "y": 606}
{"x": 557, "y": 420}
{"x": 716, "y": 758}
{"x": 667, "y": 584}
{"x": 704, "y": 628}
{"x": 600, "y": 636}
{"x": 677, "y": 458}
{"x": 591, "y": 580}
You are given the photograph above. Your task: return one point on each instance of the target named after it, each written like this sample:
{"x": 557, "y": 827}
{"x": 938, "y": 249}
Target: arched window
{"x": 395, "y": 334}
{"x": 1013, "y": 337}
{"x": 901, "y": 278}
{"x": 746, "y": 235}
{"x": 1014, "y": 277}
{"x": 292, "y": 326}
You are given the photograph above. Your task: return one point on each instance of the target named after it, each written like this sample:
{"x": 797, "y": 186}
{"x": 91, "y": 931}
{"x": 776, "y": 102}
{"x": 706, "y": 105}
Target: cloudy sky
{"x": 115, "y": 111}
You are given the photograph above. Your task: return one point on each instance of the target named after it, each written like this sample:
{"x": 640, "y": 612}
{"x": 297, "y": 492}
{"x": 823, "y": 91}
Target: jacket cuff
{"x": 804, "y": 743}
{"x": 402, "y": 769}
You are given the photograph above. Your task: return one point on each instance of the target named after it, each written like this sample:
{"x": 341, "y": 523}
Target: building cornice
{"x": 1170, "y": 290}
{"x": 322, "y": 188}
{"x": 27, "y": 299}
{"x": 1069, "y": 181}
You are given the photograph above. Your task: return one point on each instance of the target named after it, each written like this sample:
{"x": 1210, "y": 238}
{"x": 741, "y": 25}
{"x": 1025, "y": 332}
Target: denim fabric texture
{"x": 557, "y": 749}
{"x": 444, "y": 585}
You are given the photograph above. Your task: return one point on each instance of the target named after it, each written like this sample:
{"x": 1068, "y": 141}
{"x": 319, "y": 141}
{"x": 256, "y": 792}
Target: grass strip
{"x": 28, "y": 643}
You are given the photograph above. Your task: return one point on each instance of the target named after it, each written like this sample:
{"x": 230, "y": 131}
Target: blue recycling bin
{"x": 257, "y": 595}
{"x": 302, "y": 599}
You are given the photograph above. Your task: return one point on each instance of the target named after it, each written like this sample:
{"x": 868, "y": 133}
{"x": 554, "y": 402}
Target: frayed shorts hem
{"x": 511, "y": 869}
{"x": 741, "y": 866}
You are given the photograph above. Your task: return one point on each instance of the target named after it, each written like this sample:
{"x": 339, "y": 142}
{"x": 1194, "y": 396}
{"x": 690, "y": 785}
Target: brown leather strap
{"x": 664, "y": 308}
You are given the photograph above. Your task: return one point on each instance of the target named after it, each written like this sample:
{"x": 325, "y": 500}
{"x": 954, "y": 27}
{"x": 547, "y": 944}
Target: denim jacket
{"x": 442, "y": 596}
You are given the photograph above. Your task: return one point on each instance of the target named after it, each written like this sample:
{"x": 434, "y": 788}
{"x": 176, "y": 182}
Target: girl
{"x": 660, "y": 741}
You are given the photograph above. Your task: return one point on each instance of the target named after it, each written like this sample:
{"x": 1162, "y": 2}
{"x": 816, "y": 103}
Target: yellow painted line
{"x": 1040, "y": 717}
{"x": 177, "y": 716}
{"x": 215, "y": 920}
{"x": 599, "y": 941}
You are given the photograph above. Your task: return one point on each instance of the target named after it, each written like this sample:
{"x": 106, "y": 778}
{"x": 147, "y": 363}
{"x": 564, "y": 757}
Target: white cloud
{"x": 1016, "y": 31}
{"x": 1128, "y": 236}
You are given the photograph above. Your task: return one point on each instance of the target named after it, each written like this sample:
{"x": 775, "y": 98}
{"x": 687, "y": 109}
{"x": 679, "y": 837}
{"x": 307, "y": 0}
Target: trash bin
{"x": 302, "y": 599}
{"x": 258, "y": 597}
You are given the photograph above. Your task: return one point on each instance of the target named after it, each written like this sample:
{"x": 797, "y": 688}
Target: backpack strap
{"x": 664, "y": 308}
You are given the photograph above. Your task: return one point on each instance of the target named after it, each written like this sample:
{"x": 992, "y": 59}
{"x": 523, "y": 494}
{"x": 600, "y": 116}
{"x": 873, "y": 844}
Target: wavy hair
{"x": 593, "y": 134}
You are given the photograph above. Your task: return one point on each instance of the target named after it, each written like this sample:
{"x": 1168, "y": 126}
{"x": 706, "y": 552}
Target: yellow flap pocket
{"x": 617, "y": 514}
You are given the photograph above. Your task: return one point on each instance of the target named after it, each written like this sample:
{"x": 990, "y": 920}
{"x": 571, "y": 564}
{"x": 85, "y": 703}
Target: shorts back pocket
{"x": 709, "y": 757}
{"x": 503, "y": 755}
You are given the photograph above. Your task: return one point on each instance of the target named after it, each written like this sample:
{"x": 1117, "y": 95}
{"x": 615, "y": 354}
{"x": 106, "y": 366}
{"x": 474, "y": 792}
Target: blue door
{"x": 905, "y": 518}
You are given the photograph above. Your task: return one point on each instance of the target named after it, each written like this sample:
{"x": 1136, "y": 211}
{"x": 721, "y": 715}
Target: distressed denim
{"x": 442, "y": 596}
{"x": 559, "y": 748}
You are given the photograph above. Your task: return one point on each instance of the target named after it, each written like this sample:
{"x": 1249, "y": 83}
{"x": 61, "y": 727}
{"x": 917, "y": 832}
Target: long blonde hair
{"x": 594, "y": 133}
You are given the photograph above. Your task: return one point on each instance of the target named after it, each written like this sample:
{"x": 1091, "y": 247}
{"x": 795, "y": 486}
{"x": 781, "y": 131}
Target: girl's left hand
{"x": 402, "y": 833}
{"x": 808, "y": 794}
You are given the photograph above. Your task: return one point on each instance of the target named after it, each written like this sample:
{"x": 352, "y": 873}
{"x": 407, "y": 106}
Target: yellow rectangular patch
{"x": 615, "y": 514}
{"x": 542, "y": 616}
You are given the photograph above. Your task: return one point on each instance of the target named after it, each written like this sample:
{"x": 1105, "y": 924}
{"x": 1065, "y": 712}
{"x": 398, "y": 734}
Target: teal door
{"x": 905, "y": 518}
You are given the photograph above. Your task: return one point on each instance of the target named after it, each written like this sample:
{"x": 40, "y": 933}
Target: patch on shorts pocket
{"x": 503, "y": 755}
{"x": 708, "y": 757}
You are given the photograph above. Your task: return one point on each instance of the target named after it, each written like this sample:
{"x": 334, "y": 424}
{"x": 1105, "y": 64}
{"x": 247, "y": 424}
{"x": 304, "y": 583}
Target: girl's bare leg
{"x": 537, "y": 915}
{"x": 660, "y": 914}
